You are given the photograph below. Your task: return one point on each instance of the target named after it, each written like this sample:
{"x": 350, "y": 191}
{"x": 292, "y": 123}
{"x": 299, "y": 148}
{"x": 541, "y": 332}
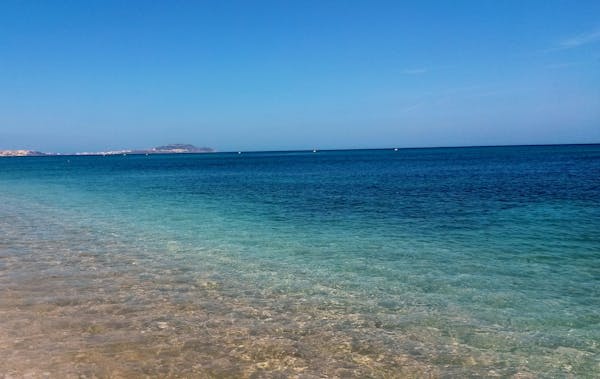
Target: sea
{"x": 408, "y": 263}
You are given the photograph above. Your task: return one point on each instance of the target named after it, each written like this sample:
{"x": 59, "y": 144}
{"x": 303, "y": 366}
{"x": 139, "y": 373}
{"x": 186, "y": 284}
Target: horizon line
{"x": 301, "y": 150}
{"x": 407, "y": 148}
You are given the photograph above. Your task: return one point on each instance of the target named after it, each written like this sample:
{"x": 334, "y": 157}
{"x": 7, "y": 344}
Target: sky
{"x": 275, "y": 75}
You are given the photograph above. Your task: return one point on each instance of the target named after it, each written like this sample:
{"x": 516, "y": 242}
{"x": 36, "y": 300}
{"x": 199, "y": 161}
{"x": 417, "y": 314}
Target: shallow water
{"x": 421, "y": 262}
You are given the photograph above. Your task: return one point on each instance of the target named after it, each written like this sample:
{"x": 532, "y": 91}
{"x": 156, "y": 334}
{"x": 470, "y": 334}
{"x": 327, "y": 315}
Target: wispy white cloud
{"x": 410, "y": 107}
{"x": 580, "y": 40}
{"x": 414, "y": 71}
{"x": 563, "y": 65}
{"x": 445, "y": 96}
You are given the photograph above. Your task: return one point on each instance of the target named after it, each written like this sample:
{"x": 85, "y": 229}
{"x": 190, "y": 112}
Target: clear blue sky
{"x": 254, "y": 75}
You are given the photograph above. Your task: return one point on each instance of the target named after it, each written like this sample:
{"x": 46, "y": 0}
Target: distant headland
{"x": 21, "y": 153}
{"x": 175, "y": 148}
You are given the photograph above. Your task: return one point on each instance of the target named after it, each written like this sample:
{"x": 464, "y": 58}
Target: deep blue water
{"x": 463, "y": 261}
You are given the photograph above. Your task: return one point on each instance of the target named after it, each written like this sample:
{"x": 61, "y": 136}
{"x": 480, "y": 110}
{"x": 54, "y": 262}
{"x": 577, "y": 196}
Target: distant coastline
{"x": 176, "y": 148}
{"x": 21, "y": 153}
{"x": 190, "y": 149}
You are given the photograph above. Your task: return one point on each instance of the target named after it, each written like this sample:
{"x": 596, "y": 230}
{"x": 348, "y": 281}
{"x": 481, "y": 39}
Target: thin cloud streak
{"x": 460, "y": 94}
{"x": 563, "y": 65}
{"x": 414, "y": 71}
{"x": 580, "y": 40}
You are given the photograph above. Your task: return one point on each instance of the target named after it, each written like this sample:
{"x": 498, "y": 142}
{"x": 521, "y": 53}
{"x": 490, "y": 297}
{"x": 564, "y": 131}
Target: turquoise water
{"x": 374, "y": 263}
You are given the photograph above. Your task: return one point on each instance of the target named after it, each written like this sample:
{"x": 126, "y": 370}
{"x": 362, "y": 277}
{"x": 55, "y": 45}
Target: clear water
{"x": 462, "y": 262}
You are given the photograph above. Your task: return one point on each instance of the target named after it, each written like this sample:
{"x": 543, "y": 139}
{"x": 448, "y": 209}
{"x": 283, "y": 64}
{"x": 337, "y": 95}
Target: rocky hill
{"x": 20, "y": 153}
{"x": 178, "y": 148}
